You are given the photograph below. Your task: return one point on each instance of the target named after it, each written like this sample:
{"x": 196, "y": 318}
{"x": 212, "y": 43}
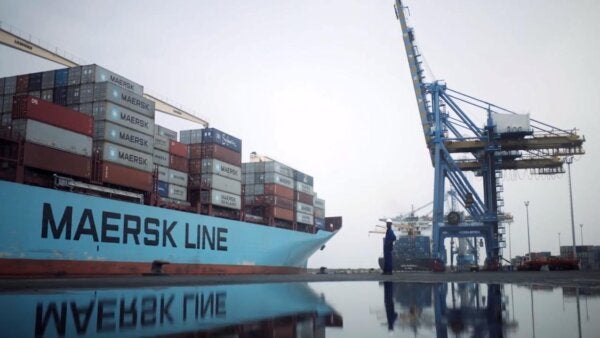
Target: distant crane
{"x": 13, "y": 39}
{"x": 500, "y": 140}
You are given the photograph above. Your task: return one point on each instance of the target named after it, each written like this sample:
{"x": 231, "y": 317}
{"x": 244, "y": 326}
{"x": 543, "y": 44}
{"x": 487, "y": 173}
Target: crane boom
{"x": 416, "y": 71}
{"x": 24, "y": 44}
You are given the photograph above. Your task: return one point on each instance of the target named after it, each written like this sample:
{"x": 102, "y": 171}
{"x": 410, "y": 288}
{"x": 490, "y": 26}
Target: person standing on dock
{"x": 388, "y": 245}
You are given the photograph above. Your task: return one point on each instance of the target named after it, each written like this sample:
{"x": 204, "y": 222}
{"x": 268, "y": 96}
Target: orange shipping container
{"x": 279, "y": 190}
{"x": 126, "y": 177}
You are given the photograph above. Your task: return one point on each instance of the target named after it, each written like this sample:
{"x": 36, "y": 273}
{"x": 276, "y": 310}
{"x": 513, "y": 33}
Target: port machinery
{"x": 13, "y": 38}
{"x": 462, "y": 136}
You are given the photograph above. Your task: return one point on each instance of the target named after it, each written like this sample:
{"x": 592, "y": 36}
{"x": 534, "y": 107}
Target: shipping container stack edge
{"x": 215, "y": 173}
{"x": 279, "y": 195}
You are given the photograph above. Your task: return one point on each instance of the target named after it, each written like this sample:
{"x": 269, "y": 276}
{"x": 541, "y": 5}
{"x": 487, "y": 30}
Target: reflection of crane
{"x": 11, "y": 38}
{"x": 491, "y": 139}
{"x": 478, "y": 310}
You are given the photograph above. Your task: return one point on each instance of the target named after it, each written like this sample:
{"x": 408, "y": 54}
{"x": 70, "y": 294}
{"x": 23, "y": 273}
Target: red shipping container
{"x": 222, "y": 154}
{"x": 279, "y": 190}
{"x": 126, "y": 177}
{"x": 195, "y": 166}
{"x": 23, "y": 83}
{"x": 269, "y": 200}
{"x": 56, "y": 161}
{"x": 279, "y": 213}
{"x": 29, "y": 107}
{"x": 178, "y": 163}
{"x": 304, "y": 198}
{"x": 195, "y": 150}
{"x": 178, "y": 148}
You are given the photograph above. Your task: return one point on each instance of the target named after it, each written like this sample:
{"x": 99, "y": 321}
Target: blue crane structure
{"x": 489, "y": 139}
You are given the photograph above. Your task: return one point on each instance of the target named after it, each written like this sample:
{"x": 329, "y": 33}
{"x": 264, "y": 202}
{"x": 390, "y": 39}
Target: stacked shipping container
{"x": 304, "y": 197}
{"x": 269, "y": 192}
{"x": 121, "y": 143}
{"x": 57, "y": 139}
{"x": 319, "y": 207}
{"x": 215, "y": 173}
{"x": 279, "y": 195}
{"x": 171, "y": 158}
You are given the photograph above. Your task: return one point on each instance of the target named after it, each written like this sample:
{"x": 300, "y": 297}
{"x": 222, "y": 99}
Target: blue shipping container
{"x": 320, "y": 223}
{"x": 212, "y": 135}
{"x": 61, "y": 77}
{"x": 163, "y": 189}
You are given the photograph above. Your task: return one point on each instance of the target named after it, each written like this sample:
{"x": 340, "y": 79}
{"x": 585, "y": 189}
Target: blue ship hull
{"x": 50, "y": 232}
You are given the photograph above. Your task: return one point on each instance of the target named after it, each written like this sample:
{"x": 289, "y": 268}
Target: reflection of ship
{"x": 414, "y": 299}
{"x": 274, "y": 310}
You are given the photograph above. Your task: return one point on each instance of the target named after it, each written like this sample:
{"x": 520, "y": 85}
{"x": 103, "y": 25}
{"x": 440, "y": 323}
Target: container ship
{"x": 412, "y": 249}
{"x": 91, "y": 185}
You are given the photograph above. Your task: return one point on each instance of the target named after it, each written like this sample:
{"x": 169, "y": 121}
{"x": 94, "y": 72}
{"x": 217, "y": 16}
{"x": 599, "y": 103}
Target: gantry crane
{"x": 488, "y": 146}
{"x": 19, "y": 41}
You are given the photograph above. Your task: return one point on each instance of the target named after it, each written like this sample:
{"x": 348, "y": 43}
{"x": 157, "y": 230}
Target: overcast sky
{"x": 324, "y": 86}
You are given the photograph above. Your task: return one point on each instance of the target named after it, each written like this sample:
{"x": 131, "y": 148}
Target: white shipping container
{"x": 53, "y": 137}
{"x": 511, "y": 123}
{"x": 226, "y": 200}
{"x": 271, "y": 177}
{"x": 274, "y": 166}
{"x": 106, "y": 91}
{"x": 95, "y": 73}
{"x": 253, "y": 167}
{"x": 129, "y": 138}
{"x": 319, "y": 202}
{"x": 178, "y": 193}
{"x": 166, "y": 132}
{"x": 161, "y": 158}
{"x": 163, "y": 173}
{"x": 304, "y": 208}
{"x": 178, "y": 177}
{"x": 222, "y": 183}
{"x": 304, "y": 218}
{"x": 305, "y": 188}
{"x": 126, "y": 157}
{"x": 161, "y": 142}
{"x": 104, "y": 110}
{"x": 213, "y": 166}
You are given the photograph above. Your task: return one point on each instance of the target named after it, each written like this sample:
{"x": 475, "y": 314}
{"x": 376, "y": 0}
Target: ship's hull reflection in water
{"x": 254, "y": 310}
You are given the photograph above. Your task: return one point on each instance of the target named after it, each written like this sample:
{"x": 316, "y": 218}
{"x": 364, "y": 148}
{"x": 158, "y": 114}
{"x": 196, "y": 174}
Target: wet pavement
{"x": 548, "y": 278}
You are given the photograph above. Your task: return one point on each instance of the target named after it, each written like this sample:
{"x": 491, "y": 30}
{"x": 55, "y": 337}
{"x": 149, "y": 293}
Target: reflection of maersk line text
{"x": 117, "y": 314}
{"x": 114, "y": 227}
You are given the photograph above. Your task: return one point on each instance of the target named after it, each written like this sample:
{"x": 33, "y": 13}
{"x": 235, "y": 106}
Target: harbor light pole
{"x": 528, "y": 239}
{"x": 509, "y": 246}
{"x": 569, "y": 160}
{"x": 581, "y": 226}
{"x": 559, "y": 243}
